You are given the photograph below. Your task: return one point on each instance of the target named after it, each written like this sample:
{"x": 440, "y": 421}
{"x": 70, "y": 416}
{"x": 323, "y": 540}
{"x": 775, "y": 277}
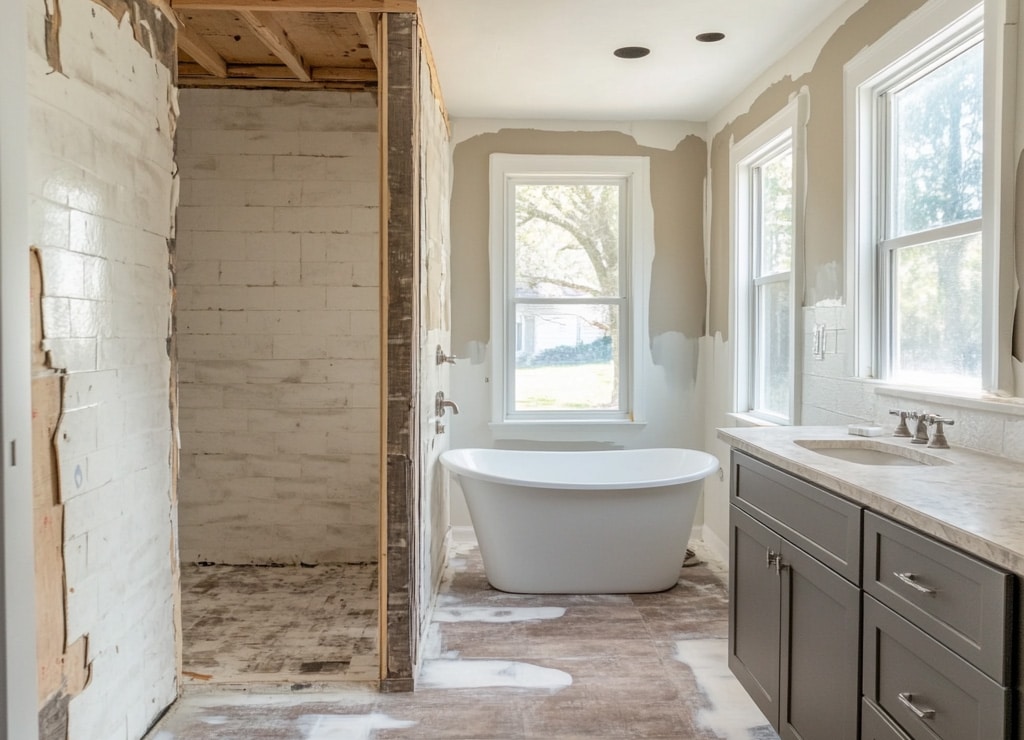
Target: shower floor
{"x": 291, "y": 625}
{"x": 501, "y": 666}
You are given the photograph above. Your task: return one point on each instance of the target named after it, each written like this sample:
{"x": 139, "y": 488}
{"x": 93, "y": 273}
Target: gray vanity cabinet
{"x": 794, "y": 637}
{"x": 937, "y": 636}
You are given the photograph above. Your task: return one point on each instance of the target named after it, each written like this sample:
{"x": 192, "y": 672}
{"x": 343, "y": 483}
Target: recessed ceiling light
{"x": 632, "y": 52}
{"x": 710, "y": 37}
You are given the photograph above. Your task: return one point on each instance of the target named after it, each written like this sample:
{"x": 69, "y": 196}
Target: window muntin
{"x": 568, "y": 235}
{"x": 929, "y": 249}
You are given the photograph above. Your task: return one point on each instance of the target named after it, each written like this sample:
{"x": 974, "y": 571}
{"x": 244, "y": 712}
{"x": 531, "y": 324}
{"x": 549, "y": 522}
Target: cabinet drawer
{"x": 929, "y": 691}
{"x": 819, "y": 522}
{"x": 960, "y": 601}
{"x": 874, "y": 725}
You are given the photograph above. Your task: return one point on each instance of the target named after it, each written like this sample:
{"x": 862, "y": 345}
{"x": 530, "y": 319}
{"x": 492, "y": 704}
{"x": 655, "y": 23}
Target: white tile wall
{"x": 435, "y": 328}
{"x": 278, "y": 326}
{"x": 831, "y": 396}
{"x": 101, "y": 187}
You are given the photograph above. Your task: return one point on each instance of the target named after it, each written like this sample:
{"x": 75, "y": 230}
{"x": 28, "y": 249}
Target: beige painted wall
{"x": 676, "y": 302}
{"x": 824, "y": 205}
{"x": 830, "y": 395}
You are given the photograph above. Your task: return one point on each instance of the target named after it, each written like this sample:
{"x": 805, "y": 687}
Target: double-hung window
{"x": 566, "y": 234}
{"x": 765, "y": 235}
{"x": 918, "y": 217}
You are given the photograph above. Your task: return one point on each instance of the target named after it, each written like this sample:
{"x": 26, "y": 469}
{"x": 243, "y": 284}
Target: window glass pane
{"x": 771, "y": 349}
{"x": 776, "y": 200}
{"x": 937, "y": 131}
{"x": 567, "y": 240}
{"x": 937, "y": 312}
{"x": 568, "y": 358}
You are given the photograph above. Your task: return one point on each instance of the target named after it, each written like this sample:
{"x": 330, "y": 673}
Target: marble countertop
{"x": 967, "y": 499}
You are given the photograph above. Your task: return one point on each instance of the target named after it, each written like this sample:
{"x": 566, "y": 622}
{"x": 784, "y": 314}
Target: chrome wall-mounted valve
{"x": 441, "y": 358}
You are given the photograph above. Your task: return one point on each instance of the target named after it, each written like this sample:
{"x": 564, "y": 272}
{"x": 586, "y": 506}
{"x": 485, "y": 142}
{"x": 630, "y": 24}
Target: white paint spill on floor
{"x": 732, "y": 715}
{"x": 347, "y": 727}
{"x": 474, "y": 674}
{"x": 498, "y": 616}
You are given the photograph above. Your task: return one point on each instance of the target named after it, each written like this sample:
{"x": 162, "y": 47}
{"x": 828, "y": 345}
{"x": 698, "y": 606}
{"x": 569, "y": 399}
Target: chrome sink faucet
{"x": 920, "y": 433}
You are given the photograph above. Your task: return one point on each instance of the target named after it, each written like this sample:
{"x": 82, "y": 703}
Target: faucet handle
{"x": 938, "y": 439}
{"x": 901, "y": 428}
{"x": 441, "y": 358}
{"x": 921, "y": 430}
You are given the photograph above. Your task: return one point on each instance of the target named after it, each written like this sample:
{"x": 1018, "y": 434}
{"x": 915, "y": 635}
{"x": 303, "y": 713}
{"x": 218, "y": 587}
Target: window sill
{"x": 507, "y": 429}
{"x": 976, "y": 400}
{"x": 749, "y": 420}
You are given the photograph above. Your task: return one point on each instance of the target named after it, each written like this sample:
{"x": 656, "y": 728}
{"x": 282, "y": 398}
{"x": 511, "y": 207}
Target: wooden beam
{"x": 367, "y": 23}
{"x": 359, "y": 75}
{"x": 289, "y": 84}
{"x": 435, "y": 80}
{"x": 269, "y": 31}
{"x": 197, "y": 47}
{"x": 301, "y": 6}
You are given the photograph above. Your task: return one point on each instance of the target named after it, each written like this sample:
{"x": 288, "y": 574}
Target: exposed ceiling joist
{"x": 301, "y": 6}
{"x": 278, "y": 72}
{"x": 270, "y": 33}
{"x": 197, "y": 48}
{"x": 368, "y": 30}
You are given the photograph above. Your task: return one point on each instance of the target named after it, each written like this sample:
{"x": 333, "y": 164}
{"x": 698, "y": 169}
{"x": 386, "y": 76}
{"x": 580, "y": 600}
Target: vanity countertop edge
{"x": 974, "y": 501}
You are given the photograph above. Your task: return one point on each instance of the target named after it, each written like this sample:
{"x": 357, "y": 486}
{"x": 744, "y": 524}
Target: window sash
{"x": 759, "y": 344}
{"x": 622, "y": 300}
{"x": 886, "y": 201}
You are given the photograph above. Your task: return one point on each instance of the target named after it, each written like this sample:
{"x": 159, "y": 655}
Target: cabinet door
{"x": 820, "y": 692}
{"x": 754, "y": 590}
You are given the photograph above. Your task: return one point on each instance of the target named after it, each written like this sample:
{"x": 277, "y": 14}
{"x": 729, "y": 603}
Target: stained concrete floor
{"x": 505, "y": 666}
{"x": 279, "y": 626}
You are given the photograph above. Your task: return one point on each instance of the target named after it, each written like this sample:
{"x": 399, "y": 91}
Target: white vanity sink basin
{"x": 870, "y": 452}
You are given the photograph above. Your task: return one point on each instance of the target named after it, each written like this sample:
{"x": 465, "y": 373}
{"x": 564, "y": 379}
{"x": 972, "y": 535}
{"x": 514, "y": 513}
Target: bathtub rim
{"x": 704, "y": 465}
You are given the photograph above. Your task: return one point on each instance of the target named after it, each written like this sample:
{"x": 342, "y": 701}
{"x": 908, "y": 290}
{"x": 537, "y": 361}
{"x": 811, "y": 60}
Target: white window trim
{"x": 790, "y": 122}
{"x": 640, "y": 214}
{"x": 911, "y": 40}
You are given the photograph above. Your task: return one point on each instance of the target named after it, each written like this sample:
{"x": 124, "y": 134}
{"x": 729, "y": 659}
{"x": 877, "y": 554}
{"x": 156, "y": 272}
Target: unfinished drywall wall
{"x": 278, "y": 326}
{"x": 102, "y": 116}
{"x": 830, "y": 395}
{"x": 435, "y": 176}
{"x": 677, "y": 293}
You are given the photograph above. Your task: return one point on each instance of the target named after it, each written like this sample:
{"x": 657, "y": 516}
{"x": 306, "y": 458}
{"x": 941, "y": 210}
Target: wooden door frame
{"x": 398, "y": 77}
{"x": 18, "y": 693}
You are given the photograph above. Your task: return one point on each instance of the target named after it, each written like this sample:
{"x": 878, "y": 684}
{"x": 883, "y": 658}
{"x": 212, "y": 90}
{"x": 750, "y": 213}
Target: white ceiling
{"x": 552, "y": 59}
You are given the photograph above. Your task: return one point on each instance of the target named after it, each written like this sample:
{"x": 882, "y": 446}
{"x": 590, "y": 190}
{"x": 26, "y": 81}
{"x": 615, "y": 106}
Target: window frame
{"x": 787, "y": 127}
{"x": 921, "y": 39}
{"x": 636, "y": 225}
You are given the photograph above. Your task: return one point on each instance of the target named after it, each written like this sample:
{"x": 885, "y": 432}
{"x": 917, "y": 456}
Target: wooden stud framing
{"x": 266, "y": 27}
{"x": 301, "y": 6}
{"x": 399, "y": 78}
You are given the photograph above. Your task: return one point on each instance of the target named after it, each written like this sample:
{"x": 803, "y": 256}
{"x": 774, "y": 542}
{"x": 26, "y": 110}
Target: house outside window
{"x": 566, "y": 236}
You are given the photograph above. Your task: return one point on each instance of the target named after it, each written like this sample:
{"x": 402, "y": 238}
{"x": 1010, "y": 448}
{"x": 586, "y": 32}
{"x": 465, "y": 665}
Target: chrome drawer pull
{"x": 911, "y": 580}
{"x": 907, "y": 700}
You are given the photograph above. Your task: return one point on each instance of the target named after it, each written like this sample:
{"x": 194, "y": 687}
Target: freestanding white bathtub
{"x": 613, "y": 521}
